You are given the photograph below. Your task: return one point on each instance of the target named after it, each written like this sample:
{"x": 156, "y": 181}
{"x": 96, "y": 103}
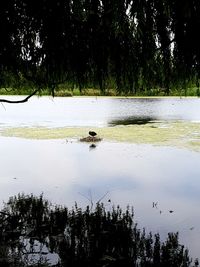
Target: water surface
{"x": 97, "y": 111}
{"x": 125, "y": 173}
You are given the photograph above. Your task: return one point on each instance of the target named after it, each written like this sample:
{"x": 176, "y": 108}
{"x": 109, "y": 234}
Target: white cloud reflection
{"x": 137, "y": 175}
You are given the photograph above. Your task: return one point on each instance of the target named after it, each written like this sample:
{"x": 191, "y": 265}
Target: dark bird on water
{"x": 92, "y": 133}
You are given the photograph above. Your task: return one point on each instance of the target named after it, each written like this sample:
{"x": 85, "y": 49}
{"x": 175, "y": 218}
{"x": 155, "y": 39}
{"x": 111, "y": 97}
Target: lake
{"x": 97, "y": 111}
{"x": 138, "y": 174}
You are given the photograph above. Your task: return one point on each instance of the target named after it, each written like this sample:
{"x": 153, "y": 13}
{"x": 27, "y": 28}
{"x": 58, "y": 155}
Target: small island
{"x": 92, "y": 137}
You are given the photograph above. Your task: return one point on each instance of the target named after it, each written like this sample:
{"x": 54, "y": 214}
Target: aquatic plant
{"x": 30, "y": 226}
{"x": 176, "y": 134}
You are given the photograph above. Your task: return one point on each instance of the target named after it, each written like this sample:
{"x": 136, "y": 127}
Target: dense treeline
{"x": 128, "y": 45}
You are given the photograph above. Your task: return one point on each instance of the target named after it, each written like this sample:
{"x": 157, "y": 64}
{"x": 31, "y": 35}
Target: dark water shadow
{"x": 92, "y": 147}
{"x": 135, "y": 120}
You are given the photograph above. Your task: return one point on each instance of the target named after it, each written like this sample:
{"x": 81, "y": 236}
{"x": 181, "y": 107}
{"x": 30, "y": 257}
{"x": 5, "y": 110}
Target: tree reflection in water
{"x": 34, "y": 233}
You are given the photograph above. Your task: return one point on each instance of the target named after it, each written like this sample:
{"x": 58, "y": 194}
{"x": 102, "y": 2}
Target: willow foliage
{"x": 138, "y": 44}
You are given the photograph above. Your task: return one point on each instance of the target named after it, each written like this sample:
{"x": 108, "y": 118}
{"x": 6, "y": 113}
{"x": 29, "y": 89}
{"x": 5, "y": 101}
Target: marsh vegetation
{"x": 178, "y": 134}
{"x": 31, "y": 229}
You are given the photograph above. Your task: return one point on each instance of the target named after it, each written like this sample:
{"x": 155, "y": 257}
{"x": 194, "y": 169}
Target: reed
{"x": 30, "y": 225}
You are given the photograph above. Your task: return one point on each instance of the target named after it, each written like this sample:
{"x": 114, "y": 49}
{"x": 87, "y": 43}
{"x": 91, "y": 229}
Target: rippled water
{"x": 134, "y": 174}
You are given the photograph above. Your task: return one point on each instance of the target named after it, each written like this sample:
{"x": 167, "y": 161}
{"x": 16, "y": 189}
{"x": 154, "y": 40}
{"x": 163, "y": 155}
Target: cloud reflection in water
{"x": 131, "y": 174}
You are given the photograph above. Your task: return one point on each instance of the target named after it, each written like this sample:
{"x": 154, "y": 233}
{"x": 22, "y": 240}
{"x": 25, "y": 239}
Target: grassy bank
{"x": 65, "y": 91}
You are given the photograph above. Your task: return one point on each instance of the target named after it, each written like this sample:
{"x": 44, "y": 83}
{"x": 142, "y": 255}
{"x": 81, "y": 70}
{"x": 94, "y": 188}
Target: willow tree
{"x": 136, "y": 44}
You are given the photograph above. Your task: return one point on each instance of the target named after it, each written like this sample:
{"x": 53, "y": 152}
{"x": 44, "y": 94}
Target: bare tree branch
{"x": 19, "y": 101}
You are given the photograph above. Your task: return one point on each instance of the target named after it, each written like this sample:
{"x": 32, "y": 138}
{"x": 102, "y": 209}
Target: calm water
{"x": 124, "y": 173}
{"x": 74, "y": 112}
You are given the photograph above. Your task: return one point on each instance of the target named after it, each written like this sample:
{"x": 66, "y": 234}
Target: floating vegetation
{"x": 30, "y": 226}
{"x": 178, "y": 134}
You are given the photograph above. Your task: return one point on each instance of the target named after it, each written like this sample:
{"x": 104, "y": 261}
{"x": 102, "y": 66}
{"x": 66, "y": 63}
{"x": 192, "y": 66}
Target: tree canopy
{"x": 135, "y": 44}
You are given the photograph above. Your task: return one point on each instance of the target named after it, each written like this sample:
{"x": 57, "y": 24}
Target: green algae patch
{"x": 43, "y": 132}
{"x": 179, "y": 134}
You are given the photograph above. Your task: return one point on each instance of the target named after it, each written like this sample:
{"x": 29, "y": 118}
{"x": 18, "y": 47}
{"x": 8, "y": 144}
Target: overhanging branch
{"x": 19, "y": 101}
